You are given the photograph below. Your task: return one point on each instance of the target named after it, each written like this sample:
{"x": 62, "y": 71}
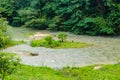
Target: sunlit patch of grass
{"x": 73, "y": 45}
{"x": 38, "y": 43}
{"x": 59, "y": 45}
{"x": 106, "y": 72}
{"x": 36, "y": 73}
{"x": 13, "y": 43}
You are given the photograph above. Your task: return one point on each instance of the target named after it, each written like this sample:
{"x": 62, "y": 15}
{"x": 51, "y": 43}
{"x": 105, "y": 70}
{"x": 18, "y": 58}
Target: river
{"x": 106, "y": 50}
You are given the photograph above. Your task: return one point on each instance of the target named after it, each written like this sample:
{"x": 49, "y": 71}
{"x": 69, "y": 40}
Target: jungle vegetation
{"x": 91, "y": 17}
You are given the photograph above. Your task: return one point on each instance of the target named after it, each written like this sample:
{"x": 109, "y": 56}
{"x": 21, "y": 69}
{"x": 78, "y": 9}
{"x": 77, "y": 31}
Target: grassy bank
{"x": 73, "y": 45}
{"x": 106, "y": 72}
{"x": 13, "y": 43}
{"x": 56, "y": 44}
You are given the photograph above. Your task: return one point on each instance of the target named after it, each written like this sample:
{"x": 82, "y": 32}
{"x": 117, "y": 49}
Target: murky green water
{"x": 106, "y": 50}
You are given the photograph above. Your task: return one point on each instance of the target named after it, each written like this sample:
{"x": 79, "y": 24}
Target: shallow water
{"x": 106, "y": 50}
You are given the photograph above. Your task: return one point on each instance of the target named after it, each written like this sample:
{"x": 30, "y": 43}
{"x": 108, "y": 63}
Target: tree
{"x": 62, "y": 37}
{"x": 65, "y": 15}
{"x": 6, "y": 9}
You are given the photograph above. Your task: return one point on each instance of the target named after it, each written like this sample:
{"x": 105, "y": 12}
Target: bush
{"x": 48, "y": 41}
{"x": 3, "y": 25}
{"x": 8, "y": 64}
{"x": 37, "y": 24}
{"x": 37, "y": 43}
{"x": 4, "y": 40}
{"x": 62, "y": 37}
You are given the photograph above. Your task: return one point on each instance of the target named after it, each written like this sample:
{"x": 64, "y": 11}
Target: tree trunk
{"x": 100, "y": 7}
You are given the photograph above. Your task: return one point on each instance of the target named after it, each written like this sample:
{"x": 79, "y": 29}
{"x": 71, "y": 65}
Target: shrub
{"x": 62, "y": 37}
{"x": 8, "y": 64}
{"x": 37, "y": 43}
{"x": 37, "y": 24}
{"x": 4, "y": 40}
{"x": 55, "y": 44}
{"x": 3, "y": 24}
{"x": 48, "y": 41}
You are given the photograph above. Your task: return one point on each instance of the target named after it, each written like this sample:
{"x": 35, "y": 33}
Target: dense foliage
{"x": 93, "y": 17}
{"x": 4, "y": 39}
{"x": 8, "y": 64}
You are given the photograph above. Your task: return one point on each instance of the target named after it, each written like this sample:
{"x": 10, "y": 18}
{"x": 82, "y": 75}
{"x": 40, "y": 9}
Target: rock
{"x": 53, "y": 61}
{"x": 34, "y": 54}
{"x": 97, "y": 67}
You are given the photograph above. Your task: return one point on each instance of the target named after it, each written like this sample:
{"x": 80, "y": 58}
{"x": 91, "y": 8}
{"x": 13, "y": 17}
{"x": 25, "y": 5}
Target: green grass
{"x": 59, "y": 45}
{"x": 36, "y": 73}
{"x": 13, "y": 43}
{"x": 73, "y": 45}
{"x": 107, "y": 72}
{"x": 37, "y": 43}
